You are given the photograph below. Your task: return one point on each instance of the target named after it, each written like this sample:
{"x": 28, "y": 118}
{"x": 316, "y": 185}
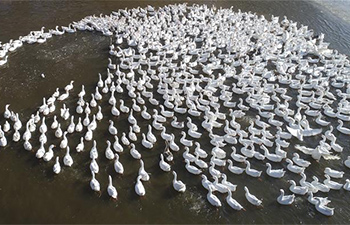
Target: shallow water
{"x": 29, "y": 193}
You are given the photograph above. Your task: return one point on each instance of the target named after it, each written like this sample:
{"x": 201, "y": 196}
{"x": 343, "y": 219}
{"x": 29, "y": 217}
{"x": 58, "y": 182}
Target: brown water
{"x": 29, "y": 193}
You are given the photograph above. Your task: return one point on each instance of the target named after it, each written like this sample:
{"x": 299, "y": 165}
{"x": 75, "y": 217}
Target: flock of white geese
{"x": 249, "y": 85}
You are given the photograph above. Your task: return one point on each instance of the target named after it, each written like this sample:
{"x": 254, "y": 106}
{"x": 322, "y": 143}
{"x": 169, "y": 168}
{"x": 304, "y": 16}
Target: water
{"x": 29, "y": 193}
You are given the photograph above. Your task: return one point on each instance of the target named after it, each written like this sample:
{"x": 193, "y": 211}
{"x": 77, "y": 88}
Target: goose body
{"x": 112, "y": 191}
{"x": 252, "y": 198}
{"x": 178, "y": 184}
{"x": 285, "y": 199}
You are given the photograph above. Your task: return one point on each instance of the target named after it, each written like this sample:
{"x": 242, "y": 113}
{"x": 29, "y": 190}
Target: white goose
{"x": 213, "y": 200}
{"x": 94, "y": 184}
{"x": 233, "y": 203}
{"x": 178, "y": 184}
{"x": 118, "y": 166}
{"x": 49, "y": 154}
{"x": 112, "y": 191}
{"x": 147, "y": 144}
{"x": 252, "y": 198}
{"x": 57, "y": 167}
{"x": 139, "y": 188}
{"x": 285, "y": 199}
{"x": 251, "y": 172}
{"x": 192, "y": 169}
{"x": 108, "y": 152}
{"x": 134, "y": 153}
{"x": 164, "y": 165}
{"x": 275, "y": 173}
{"x": 142, "y": 172}
{"x": 67, "y": 159}
{"x": 80, "y": 146}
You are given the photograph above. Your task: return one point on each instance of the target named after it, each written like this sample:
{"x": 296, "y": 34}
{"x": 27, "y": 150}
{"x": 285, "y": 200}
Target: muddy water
{"x": 29, "y": 193}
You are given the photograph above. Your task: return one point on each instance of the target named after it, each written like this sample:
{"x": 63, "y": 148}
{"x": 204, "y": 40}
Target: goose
{"x": 94, "y": 184}
{"x": 43, "y": 138}
{"x": 332, "y": 184}
{"x": 134, "y": 153}
{"x": 57, "y": 167}
{"x": 116, "y": 145}
{"x": 347, "y": 185}
{"x": 306, "y": 184}
{"x": 125, "y": 140}
{"x": 214, "y": 172}
{"x": 18, "y": 124}
{"x": 333, "y": 173}
{"x": 7, "y": 112}
{"x": 63, "y": 96}
{"x": 27, "y": 146}
{"x": 93, "y": 124}
{"x": 206, "y": 183}
{"x": 145, "y": 114}
{"x": 237, "y": 157}
{"x": 99, "y": 115}
{"x": 217, "y": 161}
{"x": 321, "y": 122}
{"x": 293, "y": 168}
{"x": 200, "y": 152}
{"x": 219, "y": 186}
{"x": 88, "y": 135}
{"x": 173, "y": 146}
{"x": 342, "y": 129}
{"x": 234, "y": 169}
{"x": 178, "y": 184}
{"x": 16, "y": 136}
{"x": 112, "y": 191}
{"x": 213, "y": 200}
{"x": 299, "y": 190}
{"x": 27, "y": 134}
{"x": 112, "y": 130}
{"x": 187, "y": 155}
{"x": 275, "y": 173}
{"x": 231, "y": 187}
{"x": 347, "y": 162}
{"x": 114, "y": 110}
{"x": 176, "y": 124}
{"x": 112, "y": 101}
{"x": 164, "y": 165}
{"x": 69, "y": 87}
{"x": 80, "y": 146}
{"x": 94, "y": 166}
{"x": 131, "y": 118}
{"x": 142, "y": 172}
{"x": 79, "y": 109}
{"x": 270, "y": 156}
{"x": 285, "y": 199}
{"x": 321, "y": 187}
{"x": 64, "y": 142}
{"x": 233, "y": 203}
{"x": 313, "y": 201}
{"x": 86, "y": 120}
{"x": 6, "y": 128}
{"x": 41, "y": 151}
{"x": 192, "y": 169}
{"x": 185, "y": 141}
{"x": 67, "y": 159}
{"x": 251, "y": 172}
{"x": 98, "y": 96}
{"x": 147, "y": 144}
{"x": 139, "y": 188}
{"x": 93, "y": 151}
{"x": 54, "y": 124}
{"x": 322, "y": 208}
{"x": 300, "y": 162}
{"x": 108, "y": 152}
{"x": 49, "y": 154}
{"x": 200, "y": 163}
{"x": 165, "y": 136}
{"x": 135, "y": 107}
{"x": 252, "y": 198}
{"x": 118, "y": 167}
{"x": 79, "y": 125}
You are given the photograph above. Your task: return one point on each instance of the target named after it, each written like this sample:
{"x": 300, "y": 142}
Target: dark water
{"x": 29, "y": 193}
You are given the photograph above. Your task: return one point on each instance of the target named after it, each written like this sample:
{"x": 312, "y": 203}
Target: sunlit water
{"x": 29, "y": 193}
